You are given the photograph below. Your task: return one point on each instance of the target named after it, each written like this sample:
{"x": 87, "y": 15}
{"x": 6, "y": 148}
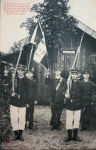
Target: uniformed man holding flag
{"x": 18, "y": 104}
{"x": 73, "y": 106}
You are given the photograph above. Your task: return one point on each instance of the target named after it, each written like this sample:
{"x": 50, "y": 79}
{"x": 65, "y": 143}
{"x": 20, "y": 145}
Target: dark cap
{"x": 12, "y": 69}
{"x": 21, "y": 67}
{"x": 74, "y": 71}
{"x": 79, "y": 71}
{"x": 86, "y": 72}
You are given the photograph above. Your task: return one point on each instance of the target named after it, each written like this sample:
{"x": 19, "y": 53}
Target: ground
{"x": 43, "y": 138}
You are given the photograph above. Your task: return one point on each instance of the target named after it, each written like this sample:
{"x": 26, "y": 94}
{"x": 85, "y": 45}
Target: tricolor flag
{"x": 40, "y": 54}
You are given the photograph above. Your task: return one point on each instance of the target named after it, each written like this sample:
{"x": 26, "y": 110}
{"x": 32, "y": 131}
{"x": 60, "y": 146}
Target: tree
{"x": 55, "y": 20}
{"x": 14, "y": 48}
{"x": 57, "y": 24}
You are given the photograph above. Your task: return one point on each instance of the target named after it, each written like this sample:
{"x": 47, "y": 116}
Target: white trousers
{"x": 72, "y": 119}
{"x": 17, "y": 115}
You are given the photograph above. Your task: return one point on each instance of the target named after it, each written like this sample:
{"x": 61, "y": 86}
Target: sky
{"x": 83, "y": 10}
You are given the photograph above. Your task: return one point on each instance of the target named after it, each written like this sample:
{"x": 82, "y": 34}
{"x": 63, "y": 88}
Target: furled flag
{"x": 75, "y": 65}
{"x": 40, "y": 54}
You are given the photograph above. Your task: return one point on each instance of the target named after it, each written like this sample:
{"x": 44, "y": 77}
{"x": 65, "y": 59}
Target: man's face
{"x": 79, "y": 74}
{"x": 20, "y": 72}
{"x": 29, "y": 75}
{"x": 57, "y": 74}
{"x": 86, "y": 76}
{"x": 74, "y": 76}
{"x": 48, "y": 74}
{"x": 6, "y": 72}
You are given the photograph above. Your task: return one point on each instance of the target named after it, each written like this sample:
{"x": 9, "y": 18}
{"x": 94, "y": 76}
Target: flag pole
{"x": 69, "y": 78}
{"x": 30, "y": 57}
{"x": 16, "y": 67}
{"x": 78, "y": 50}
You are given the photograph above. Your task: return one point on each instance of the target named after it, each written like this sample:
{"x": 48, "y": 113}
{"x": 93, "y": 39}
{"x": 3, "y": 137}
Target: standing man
{"x": 73, "y": 107}
{"x": 18, "y": 104}
{"x": 87, "y": 101}
{"x": 57, "y": 98}
{"x": 80, "y": 76}
{"x": 6, "y": 82}
{"x": 31, "y": 96}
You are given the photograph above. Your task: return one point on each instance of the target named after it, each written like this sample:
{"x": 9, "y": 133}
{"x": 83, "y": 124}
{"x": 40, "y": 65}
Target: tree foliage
{"x": 14, "y": 48}
{"x": 57, "y": 24}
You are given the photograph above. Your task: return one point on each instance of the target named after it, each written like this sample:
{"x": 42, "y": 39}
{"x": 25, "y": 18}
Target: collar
{"x": 86, "y": 81}
{"x": 74, "y": 81}
{"x": 21, "y": 77}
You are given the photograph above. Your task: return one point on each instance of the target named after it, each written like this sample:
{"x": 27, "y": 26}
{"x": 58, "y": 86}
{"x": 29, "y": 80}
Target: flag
{"x": 40, "y": 54}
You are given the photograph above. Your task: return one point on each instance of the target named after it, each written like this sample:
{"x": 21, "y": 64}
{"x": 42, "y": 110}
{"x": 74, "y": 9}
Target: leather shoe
{"x": 15, "y": 138}
{"x": 52, "y": 128}
{"x": 59, "y": 128}
{"x": 31, "y": 127}
{"x": 76, "y": 139}
{"x": 21, "y": 138}
{"x": 68, "y": 139}
{"x": 82, "y": 129}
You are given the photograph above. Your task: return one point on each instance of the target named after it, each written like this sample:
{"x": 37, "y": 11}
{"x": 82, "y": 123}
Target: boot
{"x": 16, "y": 136}
{"x": 69, "y": 136}
{"x": 20, "y": 135}
{"x": 59, "y": 123}
{"x": 75, "y": 138}
{"x": 53, "y": 127}
{"x": 83, "y": 128}
{"x": 31, "y": 127}
{"x": 57, "y": 127}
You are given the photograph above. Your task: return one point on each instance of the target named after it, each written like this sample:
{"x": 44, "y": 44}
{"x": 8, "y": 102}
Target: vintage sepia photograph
{"x": 48, "y": 74}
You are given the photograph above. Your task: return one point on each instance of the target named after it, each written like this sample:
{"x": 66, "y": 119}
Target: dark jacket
{"x": 56, "y": 97}
{"x": 88, "y": 91}
{"x": 20, "y": 90}
{"x": 7, "y": 81}
{"x": 76, "y": 93}
{"x": 60, "y": 93}
{"x": 48, "y": 88}
{"x": 31, "y": 90}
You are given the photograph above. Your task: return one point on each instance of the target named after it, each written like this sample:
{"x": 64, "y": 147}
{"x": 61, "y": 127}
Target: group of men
{"x": 75, "y": 101}
{"x": 22, "y": 98}
{"x": 78, "y": 99}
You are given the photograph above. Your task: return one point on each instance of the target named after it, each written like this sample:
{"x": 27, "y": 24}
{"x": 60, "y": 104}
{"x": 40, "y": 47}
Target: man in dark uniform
{"x": 31, "y": 96}
{"x": 80, "y": 76}
{"x": 57, "y": 98}
{"x": 73, "y": 106}
{"x": 18, "y": 104}
{"x": 6, "y": 82}
{"x": 87, "y": 101}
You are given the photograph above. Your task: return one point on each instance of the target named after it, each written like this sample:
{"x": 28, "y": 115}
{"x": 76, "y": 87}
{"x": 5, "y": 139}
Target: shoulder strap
{"x": 58, "y": 85}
